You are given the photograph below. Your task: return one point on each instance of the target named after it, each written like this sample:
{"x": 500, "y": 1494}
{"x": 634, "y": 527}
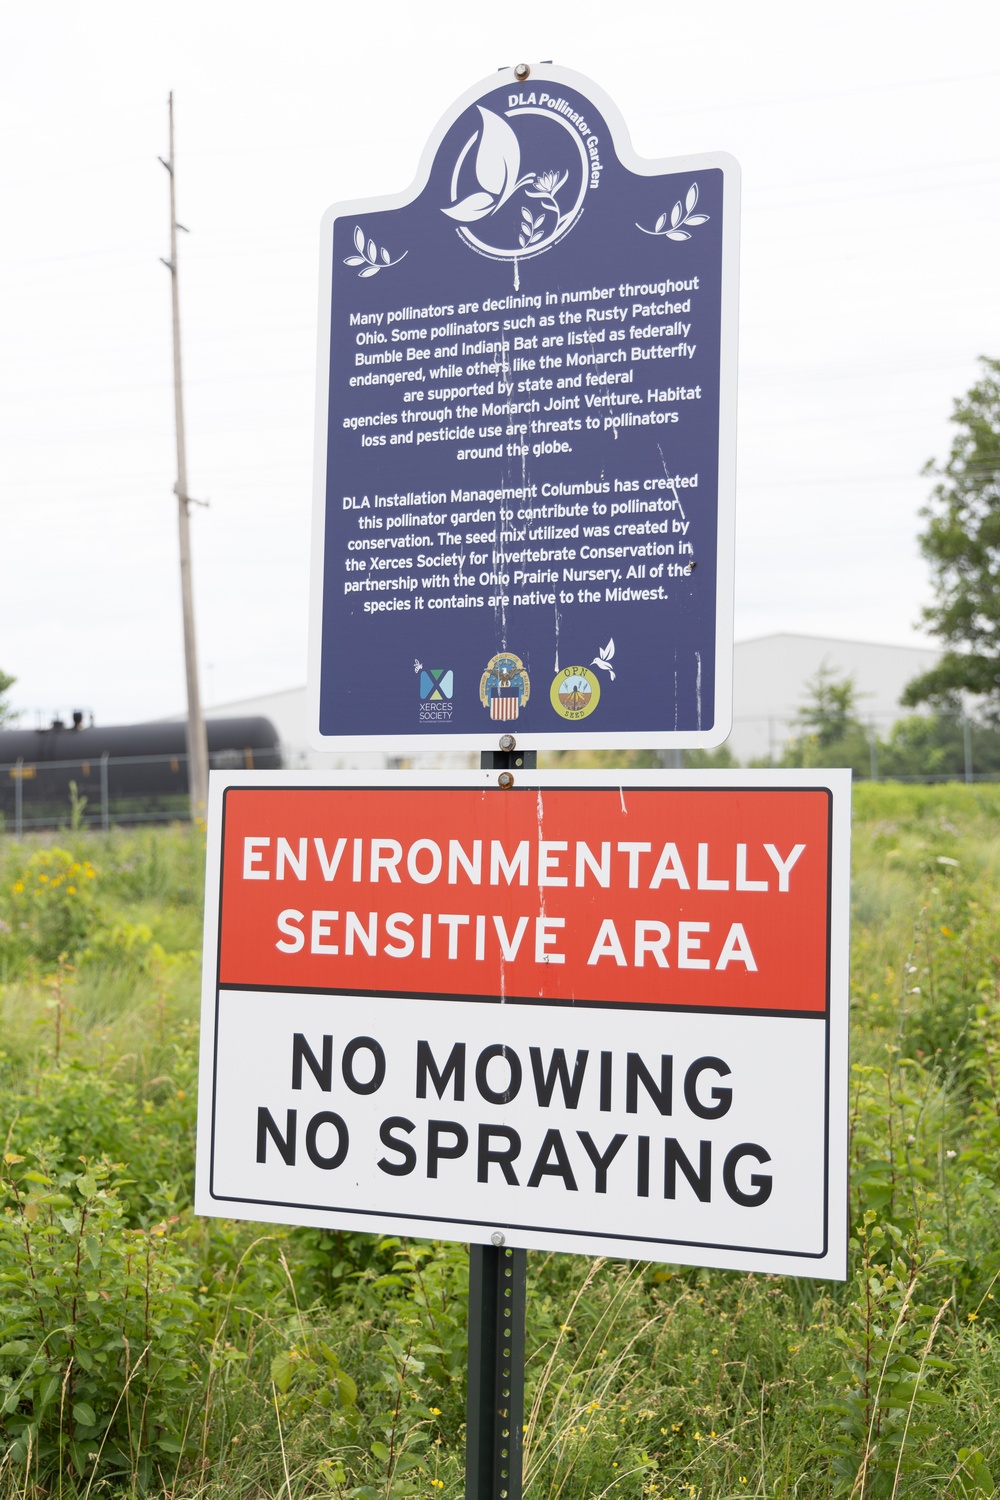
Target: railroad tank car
{"x": 127, "y": 772}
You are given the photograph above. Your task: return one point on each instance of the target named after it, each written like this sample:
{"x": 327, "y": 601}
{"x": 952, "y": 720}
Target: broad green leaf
{"x": 282, "y": 1369}
{"x": 407, "y": 1462}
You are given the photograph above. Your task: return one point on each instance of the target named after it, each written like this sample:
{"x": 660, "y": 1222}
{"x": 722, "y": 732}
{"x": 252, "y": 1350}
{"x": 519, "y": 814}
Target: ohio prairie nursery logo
{"x": 521, "y": 213}
{"x": 575, "y": 693}
{"x": 437, "y": 689}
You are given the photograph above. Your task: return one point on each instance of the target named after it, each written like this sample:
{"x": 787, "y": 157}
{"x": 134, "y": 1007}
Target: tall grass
{"x": 145, "y": 1352}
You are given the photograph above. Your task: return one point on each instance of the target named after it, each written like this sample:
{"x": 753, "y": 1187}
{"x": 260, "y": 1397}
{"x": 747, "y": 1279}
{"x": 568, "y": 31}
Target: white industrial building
{"x": 770, "y": 684}
{"x": 771, "y": 676}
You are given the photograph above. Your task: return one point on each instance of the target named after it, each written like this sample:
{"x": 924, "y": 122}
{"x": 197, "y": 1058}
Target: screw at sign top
{"x": 507, "y": 742}
{"x": 522, "y": 71}
{"x": 496, "y": 1238}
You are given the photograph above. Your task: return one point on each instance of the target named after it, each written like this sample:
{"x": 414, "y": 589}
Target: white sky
{"x": 867, "y": 134}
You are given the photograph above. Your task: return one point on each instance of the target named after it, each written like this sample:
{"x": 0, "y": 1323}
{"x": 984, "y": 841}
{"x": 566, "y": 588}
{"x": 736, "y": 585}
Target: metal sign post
{"x": 494, "y": 1428}
{"x": 495, "y": 1401}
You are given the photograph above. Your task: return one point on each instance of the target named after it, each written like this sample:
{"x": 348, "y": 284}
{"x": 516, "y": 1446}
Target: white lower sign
{"x": 492, "y": 1091}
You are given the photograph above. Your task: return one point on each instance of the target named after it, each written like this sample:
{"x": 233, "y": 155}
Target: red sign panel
{"x": 681, "y": 897}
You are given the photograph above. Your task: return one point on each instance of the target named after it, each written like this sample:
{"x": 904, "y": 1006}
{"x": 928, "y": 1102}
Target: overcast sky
{"x": 867, "y": 134}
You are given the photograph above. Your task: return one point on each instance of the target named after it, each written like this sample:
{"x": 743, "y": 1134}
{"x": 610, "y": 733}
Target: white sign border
{"x": 830, "y": 1265}
{"x": 554, "y": 738}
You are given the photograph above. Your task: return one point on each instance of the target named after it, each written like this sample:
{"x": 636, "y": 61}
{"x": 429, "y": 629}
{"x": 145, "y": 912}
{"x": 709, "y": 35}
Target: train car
{"x": 126, "y": 772}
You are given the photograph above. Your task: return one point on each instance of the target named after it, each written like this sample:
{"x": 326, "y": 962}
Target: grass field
{"x": 144, "y": 1351}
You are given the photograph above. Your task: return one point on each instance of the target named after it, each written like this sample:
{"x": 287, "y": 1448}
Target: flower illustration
{"x": 546, "y": 185}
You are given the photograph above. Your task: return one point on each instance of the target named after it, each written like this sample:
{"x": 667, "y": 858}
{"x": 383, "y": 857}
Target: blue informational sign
{"x": 526, "y": 438}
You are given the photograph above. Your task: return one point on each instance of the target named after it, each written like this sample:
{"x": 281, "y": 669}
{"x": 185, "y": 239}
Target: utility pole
{"x": 197, "y": 741}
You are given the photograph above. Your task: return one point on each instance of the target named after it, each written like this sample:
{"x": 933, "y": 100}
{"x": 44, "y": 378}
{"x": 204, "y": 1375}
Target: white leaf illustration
{"x": 369, "y": 257}
{"x": 608, "y": 651}
{"x": 678, "y": 217}
{"x": 526, "y": 214}
{"x": 475, "y": 206}
{"x": 497, "y": 162}
{"x": 498, "y": 159}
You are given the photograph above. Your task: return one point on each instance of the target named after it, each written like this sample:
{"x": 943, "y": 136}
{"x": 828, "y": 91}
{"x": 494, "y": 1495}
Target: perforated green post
{"x": 494, "y": 1438}
{"x": 495, "y": 1406}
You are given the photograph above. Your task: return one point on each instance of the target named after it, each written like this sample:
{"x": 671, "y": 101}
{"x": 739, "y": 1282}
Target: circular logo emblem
{"x": 575, "y": 693}
{"x": 519, "y": 182}
{"x": 504, "y": 687}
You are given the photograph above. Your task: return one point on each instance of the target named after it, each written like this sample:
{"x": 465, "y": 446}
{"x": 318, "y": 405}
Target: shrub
{"x": 53, "y": 905}
{"x": 98, "y": 1333}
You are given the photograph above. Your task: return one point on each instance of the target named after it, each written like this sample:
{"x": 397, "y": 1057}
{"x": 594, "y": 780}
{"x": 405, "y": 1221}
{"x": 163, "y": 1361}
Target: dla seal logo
{"x": 504, "y": 688}
{"x": 521, "y": 178}
{"x": 575, "y": 693}
{"x": 437, "y": 689}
